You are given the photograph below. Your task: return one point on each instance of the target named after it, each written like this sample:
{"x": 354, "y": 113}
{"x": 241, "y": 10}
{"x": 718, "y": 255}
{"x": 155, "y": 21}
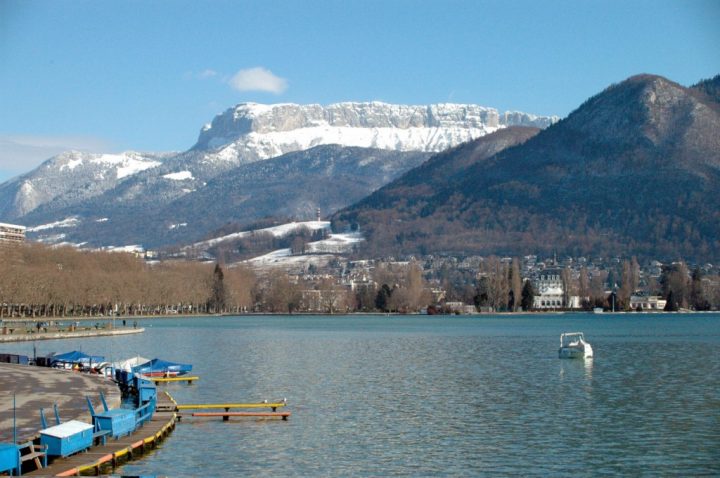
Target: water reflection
{"x": 447, "y": 396}
{"x": 574, "y": 369}
{"x": 588, "y": 362}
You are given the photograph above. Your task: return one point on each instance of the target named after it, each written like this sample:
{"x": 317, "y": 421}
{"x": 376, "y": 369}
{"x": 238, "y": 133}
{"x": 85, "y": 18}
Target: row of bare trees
{"x": 41, "y": 281}
{"x": 57, "y": 282}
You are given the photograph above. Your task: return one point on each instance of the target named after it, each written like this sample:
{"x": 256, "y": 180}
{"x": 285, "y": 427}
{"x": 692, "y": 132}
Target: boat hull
{"x": 575, "y": 352}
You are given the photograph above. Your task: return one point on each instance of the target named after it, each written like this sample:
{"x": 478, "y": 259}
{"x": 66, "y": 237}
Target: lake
{"x": 440, "y": 396}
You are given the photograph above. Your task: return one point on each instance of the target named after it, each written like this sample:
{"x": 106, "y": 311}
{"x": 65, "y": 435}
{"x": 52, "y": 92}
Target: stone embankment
{"x": 9, "y": 334}
{"x": 39, "y": 387}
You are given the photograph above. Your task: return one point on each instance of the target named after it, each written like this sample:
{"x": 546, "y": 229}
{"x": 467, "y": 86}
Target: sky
{"x": 111, "y": 76}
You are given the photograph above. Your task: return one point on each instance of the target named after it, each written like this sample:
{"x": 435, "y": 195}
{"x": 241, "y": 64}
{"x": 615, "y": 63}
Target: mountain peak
{"x": 645, "y": 106}
{"x": 428, "y": 128}
{"x": 710, "y": 88}
{"x": 634, "y": 170}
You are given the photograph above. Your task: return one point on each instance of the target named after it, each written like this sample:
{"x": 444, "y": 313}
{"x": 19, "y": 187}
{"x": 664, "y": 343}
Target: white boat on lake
{"x": 573, "y": 345}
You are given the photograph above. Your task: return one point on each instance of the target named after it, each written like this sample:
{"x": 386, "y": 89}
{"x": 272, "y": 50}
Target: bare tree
{"x": 568, "y": 285}
{"x": 516, "y": 284}
{"x": 333, "y": 296}
{"x": 497, "y": 287}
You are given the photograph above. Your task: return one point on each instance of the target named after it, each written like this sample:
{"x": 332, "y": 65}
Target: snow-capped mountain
{"x": 251, "y": 131}
{"x": 125, "y": 188}
{"x": 70, "y": 178}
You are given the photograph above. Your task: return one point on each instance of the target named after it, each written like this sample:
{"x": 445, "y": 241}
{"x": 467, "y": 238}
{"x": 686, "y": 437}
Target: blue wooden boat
{"x": 162, "y": 368}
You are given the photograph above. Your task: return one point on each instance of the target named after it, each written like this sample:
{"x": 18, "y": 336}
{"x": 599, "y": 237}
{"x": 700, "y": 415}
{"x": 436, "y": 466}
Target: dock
{"x": 114, "y": 452}
{"x": 226, "y": 413}
{"x": 181, "y": 378}
{"x": 228, "y": 406}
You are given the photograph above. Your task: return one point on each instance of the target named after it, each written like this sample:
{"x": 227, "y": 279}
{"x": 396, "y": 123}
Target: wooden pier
{"x": 228, "y": 406}
{"x": 226, "y": 414}
{"x": 181, "y": 378}
{"x": 114, "y": 452}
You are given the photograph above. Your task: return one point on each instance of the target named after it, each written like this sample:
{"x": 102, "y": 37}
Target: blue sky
{"x": 146, "y": 75}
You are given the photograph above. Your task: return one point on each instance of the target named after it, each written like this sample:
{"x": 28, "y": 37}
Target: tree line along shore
{"x": 58, "y": 282}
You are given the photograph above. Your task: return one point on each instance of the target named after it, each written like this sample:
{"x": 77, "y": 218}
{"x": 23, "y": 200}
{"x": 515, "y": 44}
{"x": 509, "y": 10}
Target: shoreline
{"x": 7, "y": 320}
{"x": 67, "y": 335}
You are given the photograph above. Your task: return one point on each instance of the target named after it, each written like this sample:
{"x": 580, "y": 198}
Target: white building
{"x": 647, "y": 302}
{"x": 550, "y": 292}
{"x": 12, "y": 233}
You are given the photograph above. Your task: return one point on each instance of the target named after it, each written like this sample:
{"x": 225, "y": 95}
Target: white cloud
{"x": 22, "y": 153}
{"x": 258, "y": 79}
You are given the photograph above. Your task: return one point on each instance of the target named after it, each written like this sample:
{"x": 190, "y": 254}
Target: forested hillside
{"x": 635, "y": 170}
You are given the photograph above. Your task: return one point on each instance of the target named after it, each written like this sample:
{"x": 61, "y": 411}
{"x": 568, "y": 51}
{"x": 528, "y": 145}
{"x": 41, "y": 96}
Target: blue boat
{"x": 75, "y": 358}
{"x": 162, "y": 368}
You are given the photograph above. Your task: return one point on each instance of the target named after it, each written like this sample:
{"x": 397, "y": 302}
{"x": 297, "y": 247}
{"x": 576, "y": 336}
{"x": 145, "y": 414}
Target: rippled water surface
{"x": 377, "y": 396}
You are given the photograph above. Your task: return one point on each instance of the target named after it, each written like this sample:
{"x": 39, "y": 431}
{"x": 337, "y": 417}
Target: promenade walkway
{"x": 24, "y": 336}
{"x": 41, "y": 387}
{"x": 98, "y": 458}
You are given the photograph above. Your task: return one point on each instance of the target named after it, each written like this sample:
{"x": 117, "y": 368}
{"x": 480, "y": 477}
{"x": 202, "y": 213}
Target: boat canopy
{"x": 76, "y": 357}
{"x": 157, "y": 365}
{"x": 569, "y": 337}
{"x": 128, "y": 364}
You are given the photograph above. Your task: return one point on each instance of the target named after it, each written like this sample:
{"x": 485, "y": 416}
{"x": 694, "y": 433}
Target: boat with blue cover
{"x": 162, "y": 368}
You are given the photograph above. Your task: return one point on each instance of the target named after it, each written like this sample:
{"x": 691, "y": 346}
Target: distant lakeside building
{"x": 650, "y": 302}
{"x": 550, "y": 292}
{"x": 12, "y": 233}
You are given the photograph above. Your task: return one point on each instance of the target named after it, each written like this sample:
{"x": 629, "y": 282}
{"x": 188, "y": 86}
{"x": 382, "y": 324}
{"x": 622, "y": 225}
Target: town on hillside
{"x": 52, "y": 281}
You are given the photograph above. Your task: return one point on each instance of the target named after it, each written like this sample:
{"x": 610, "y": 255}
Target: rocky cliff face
{"x": 270, "y": 129}
{"x": 242, "y": 135}
{"x": 105, "y": 193}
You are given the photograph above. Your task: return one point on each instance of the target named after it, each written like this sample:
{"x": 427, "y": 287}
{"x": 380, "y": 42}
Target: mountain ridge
{"x": 634, "y": 170}
{"x": 165, "y": 177}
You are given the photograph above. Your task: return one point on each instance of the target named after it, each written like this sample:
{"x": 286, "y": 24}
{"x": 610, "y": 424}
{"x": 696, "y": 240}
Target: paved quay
{"x": 54, "y": 335}
{"x": 41, "y": 387}
{"x": 103, "y": 458}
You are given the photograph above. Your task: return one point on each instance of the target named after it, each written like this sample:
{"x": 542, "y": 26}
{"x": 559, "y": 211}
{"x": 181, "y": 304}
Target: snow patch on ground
{"x": 132, "y": 248}
{"x": 67, "y": 222}
{"x": 319, "y": 253}
{"x": 134, "y": 167}
{"x": 277, "y": 231}
{"x": 336, "y": 243}
{"x": 179, "y": 176}
{"x": 283, "y": 258}
{"x": 71, "y": 164}
{"x": 53, "y": 239}
{"x": 126, "y": 164}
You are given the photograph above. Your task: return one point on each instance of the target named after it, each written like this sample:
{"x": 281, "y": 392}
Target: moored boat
{"x": 573, "y": 345}
{"x": 162, "y": 368}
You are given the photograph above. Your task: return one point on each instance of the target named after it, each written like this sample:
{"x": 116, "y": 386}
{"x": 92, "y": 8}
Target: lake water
{"x": 438, "y": 396}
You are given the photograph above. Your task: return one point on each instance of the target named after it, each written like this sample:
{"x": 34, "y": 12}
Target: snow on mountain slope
{"x": 67, "y": 222}
{"x": 277, "y": 231}
{"x": 120, "y": 185}
{"x": 71, "y": 178}
{"x": 250, "y": 131}
{"x": 336, "y": 243}
{"x": 318, "y": 253}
